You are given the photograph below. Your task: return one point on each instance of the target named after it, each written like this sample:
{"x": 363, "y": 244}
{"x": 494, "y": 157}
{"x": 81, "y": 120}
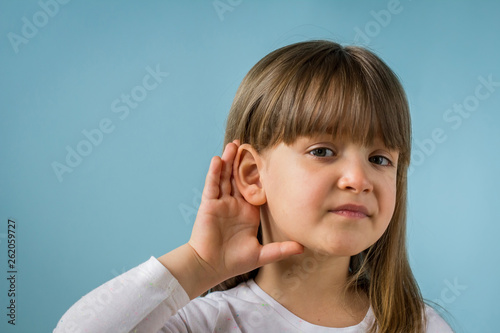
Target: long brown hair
{"x": 322, "y": 87}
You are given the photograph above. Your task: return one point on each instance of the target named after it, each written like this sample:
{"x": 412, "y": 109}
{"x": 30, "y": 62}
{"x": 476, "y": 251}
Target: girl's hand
{"x": 224, "y": 240}
{"x": 225, "y": 231}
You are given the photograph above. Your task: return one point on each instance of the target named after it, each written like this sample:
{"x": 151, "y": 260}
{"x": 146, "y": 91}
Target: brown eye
{"x": 380, "y": 160}
{"x": 322, "y": 152}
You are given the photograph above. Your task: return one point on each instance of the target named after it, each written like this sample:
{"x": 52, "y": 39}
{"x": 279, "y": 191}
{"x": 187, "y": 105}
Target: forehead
{"x": 340, "y": 141}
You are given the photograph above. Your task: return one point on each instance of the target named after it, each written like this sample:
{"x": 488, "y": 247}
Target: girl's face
{"x": 332, "y": 196}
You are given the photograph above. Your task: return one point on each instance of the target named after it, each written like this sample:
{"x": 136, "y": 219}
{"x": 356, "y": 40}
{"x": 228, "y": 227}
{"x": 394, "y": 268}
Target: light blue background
{"x": 133, "y": 196}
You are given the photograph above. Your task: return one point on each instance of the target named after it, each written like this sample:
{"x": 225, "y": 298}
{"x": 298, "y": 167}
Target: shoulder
{"x": 435, "y": 323}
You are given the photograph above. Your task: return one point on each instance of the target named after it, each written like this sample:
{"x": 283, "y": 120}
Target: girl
{"x": 302, "y": 222}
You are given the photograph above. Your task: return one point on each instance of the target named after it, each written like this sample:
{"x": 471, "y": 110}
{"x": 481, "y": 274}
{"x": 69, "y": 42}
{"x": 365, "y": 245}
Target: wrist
{"x": 190, "y": 271}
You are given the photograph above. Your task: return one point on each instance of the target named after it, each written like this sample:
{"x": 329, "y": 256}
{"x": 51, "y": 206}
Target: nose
{"x": 354, "y": 175}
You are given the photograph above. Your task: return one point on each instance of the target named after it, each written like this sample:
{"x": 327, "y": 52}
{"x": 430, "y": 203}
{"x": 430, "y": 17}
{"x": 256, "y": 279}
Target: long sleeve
{"x": 140, "y": 300}
{"x": 148, "y": 299}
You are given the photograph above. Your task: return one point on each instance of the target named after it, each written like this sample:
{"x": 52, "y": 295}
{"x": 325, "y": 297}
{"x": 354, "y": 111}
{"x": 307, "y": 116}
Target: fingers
{"x": 278, "y": 251}
{"x": 211, "y": 189}
{"x": 227, "y": 168}
{"x": 235, "y": 191}
{"x": 219, "y": 179}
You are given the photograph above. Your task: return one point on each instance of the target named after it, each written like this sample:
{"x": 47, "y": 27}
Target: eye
{"x": 380, "y": 160}
{"x": 322, "y": 152}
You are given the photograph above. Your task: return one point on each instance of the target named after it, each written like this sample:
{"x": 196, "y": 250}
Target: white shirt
{"x": 149, "y": 299}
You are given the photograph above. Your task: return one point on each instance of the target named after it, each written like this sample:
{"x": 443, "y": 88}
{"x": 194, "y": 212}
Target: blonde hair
{"x": 322, "y": 87}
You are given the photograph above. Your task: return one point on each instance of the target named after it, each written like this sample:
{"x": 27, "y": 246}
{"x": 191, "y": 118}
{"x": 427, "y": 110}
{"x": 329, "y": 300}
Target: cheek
{"x": 292, "y": 195}
{"x": 304, "y": 192}
{"x": 389, "y": 199}
{"x": 285, "y": 193}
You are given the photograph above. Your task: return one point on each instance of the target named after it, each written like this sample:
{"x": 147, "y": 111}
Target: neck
{"x": 313, "y": 286}
{"x": 310, "y": 275}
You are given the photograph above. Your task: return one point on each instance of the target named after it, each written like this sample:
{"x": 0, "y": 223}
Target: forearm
{"x": 122, "y": 303}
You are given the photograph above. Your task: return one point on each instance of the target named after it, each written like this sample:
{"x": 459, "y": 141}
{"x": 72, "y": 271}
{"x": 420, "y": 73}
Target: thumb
{"x": 277, "y": 251}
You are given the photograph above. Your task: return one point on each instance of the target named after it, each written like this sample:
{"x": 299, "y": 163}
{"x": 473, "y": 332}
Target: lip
{"x": 351, "y": 210}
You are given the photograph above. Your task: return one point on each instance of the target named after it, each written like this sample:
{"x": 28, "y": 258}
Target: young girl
{"x": 301, "y": 227}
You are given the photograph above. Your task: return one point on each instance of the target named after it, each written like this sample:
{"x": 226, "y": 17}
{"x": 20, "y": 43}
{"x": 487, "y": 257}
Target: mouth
{"x": 351, "y": 211}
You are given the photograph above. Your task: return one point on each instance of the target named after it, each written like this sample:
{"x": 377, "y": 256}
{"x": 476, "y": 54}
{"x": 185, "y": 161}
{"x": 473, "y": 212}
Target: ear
{"x": 246, "y": 172}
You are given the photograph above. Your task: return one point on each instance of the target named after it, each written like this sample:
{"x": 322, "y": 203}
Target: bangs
{"x": 332, "y": 100}
{"x": 324, "y": 88}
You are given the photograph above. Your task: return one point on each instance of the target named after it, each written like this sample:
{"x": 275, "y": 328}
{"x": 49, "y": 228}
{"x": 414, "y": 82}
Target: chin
{"x": 343, "y": 247}
{"x": 344, "y": 252}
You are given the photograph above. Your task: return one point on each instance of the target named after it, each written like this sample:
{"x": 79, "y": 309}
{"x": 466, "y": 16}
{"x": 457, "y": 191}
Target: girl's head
{"x": 322, "y": 89}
